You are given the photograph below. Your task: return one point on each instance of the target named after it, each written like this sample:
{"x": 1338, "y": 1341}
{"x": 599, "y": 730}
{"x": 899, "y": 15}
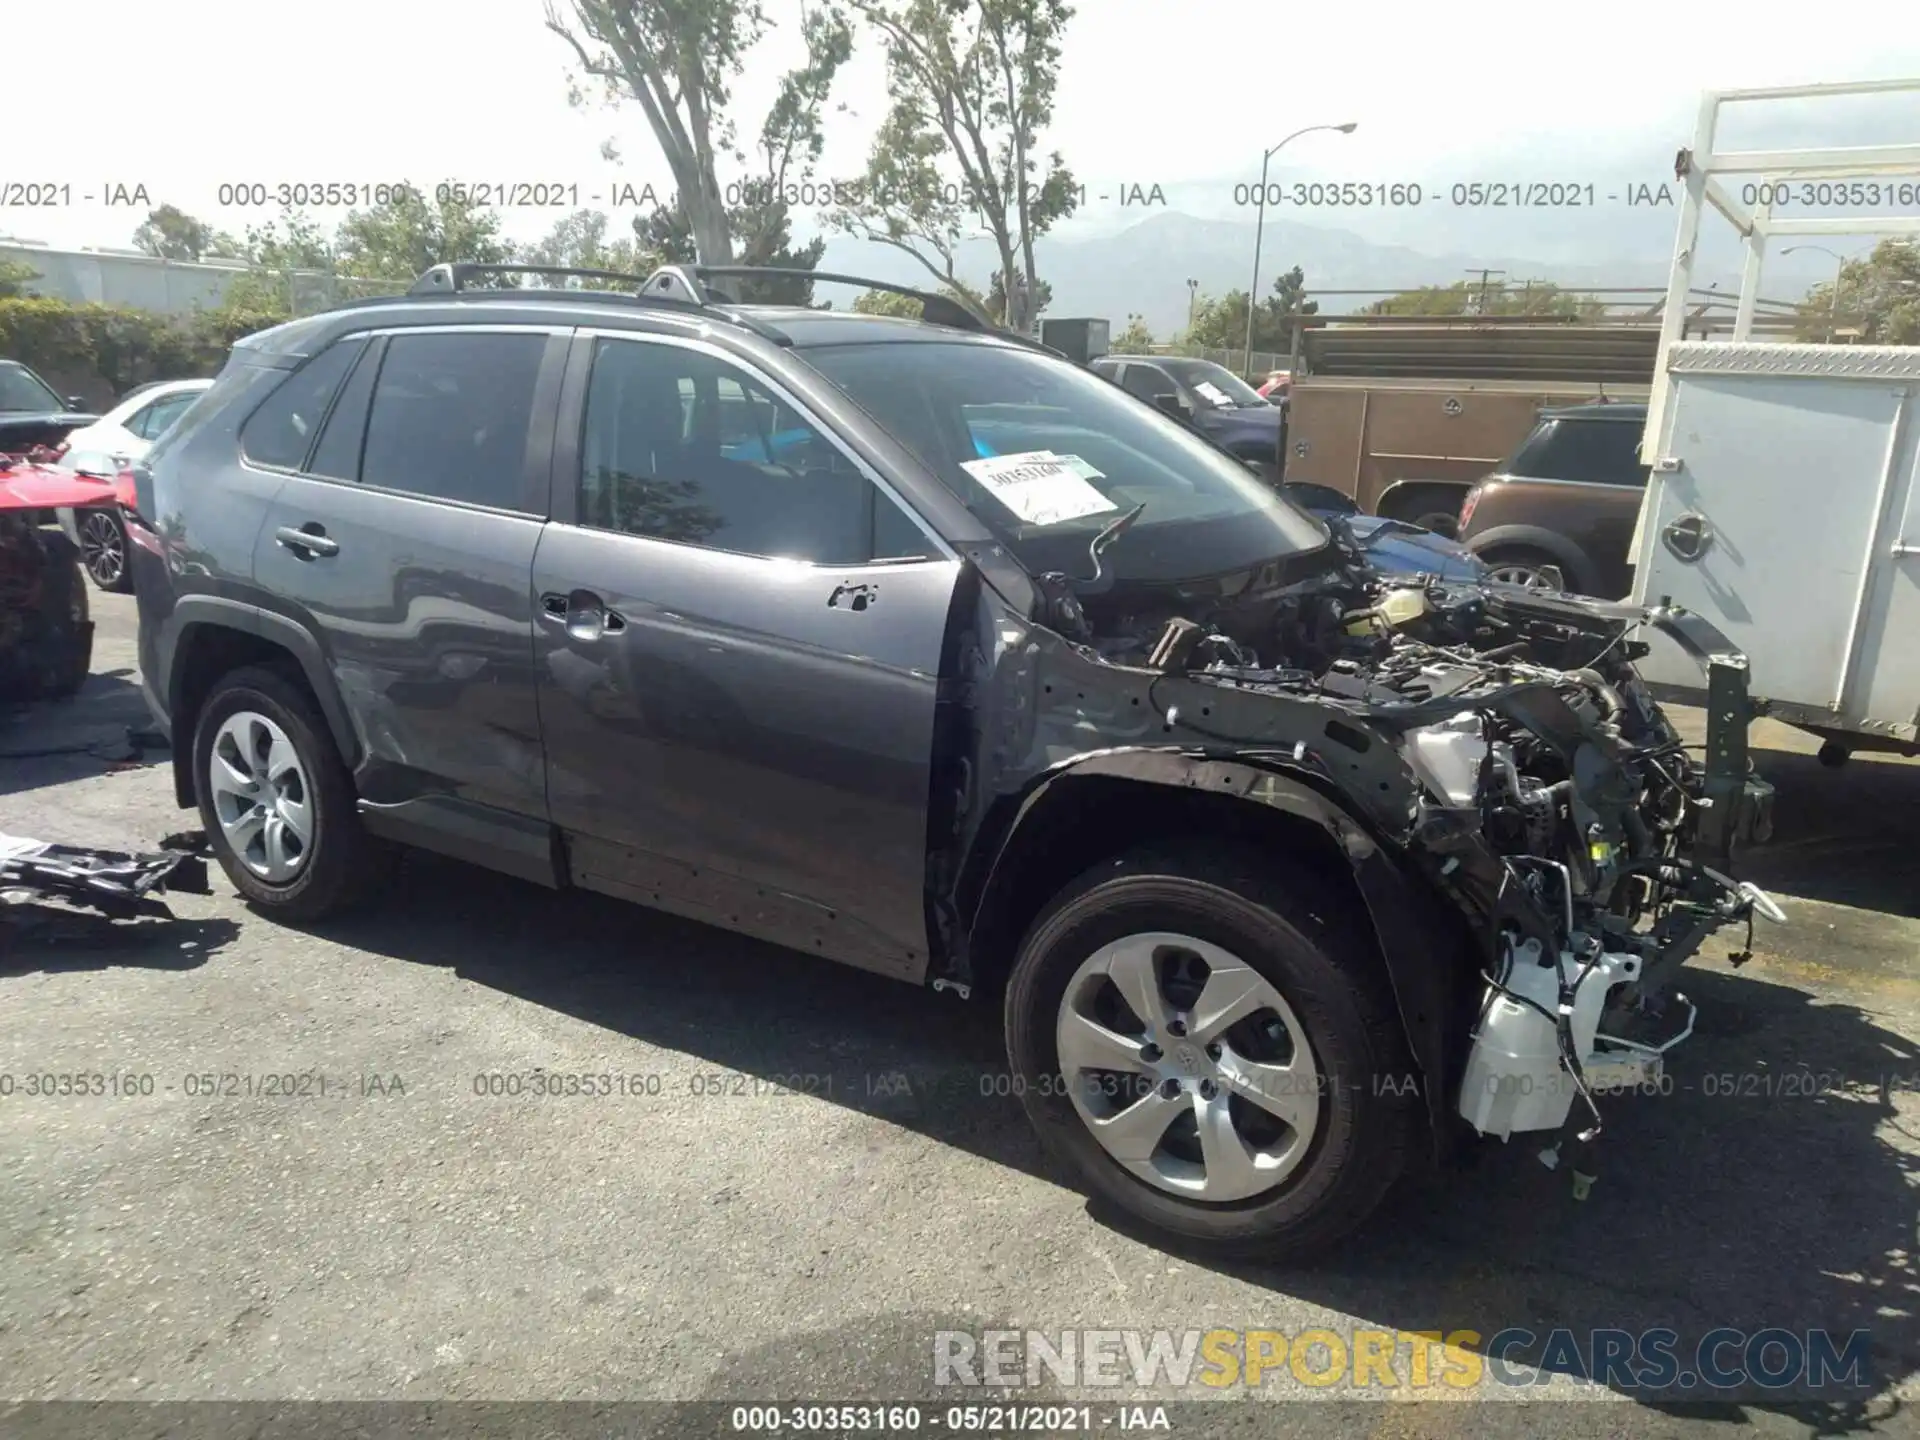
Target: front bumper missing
{"x": 117, "y": 884}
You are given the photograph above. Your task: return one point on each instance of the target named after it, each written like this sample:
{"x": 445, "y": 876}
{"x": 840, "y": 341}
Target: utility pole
{"x": 1485, "y": 277}
{"x": 1193, "y": 300}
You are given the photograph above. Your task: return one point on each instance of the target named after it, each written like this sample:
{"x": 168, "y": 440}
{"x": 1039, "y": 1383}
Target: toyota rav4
{"x": 919, "y": 647}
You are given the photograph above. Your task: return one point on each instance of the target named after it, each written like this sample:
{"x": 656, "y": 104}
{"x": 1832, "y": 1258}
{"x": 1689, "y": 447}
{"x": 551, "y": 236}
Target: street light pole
{"x": 1260, "y": 225}
{"x": 1193, "y": 300}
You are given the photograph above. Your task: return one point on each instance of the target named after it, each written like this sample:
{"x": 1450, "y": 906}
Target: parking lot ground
{"x": 811, "y": 1171}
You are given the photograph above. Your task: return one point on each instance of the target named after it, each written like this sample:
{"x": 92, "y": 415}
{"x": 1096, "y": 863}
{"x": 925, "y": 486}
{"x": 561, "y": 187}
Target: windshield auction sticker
{"x": 1042, "y": 488}
{"x": 1213, "y": 394}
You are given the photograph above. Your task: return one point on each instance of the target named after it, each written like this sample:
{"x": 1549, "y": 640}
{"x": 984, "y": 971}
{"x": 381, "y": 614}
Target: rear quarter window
{"x": 1597, "y": 452}
{"x": 281, "y": 432}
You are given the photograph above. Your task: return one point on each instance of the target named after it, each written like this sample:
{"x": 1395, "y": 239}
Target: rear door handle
{"x": 308, "y": 541}
{"x": 584, "y": 613}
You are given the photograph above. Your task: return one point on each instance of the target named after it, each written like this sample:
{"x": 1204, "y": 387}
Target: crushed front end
{"x": 1496, "y": 743}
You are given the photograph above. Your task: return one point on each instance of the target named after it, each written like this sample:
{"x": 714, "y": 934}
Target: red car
{"x": 1276, "y": 385}
{"x": 46, "y": 631}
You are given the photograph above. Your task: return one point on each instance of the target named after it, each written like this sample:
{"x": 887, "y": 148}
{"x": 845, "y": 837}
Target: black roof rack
{"x": 684, "y": 287}
{"x": 455, "y": 276}
{"x": 935, "y": 309}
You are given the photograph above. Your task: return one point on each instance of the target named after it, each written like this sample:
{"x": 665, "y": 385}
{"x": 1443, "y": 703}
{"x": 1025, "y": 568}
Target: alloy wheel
{"x": 261, "y": 796}
{"x": 103, "y": 549}
{"x": 1188, "y": 1066}
{"x": 1529, "y": 577}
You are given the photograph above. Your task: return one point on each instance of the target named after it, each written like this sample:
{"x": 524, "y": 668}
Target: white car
{"x": 105, "y": 448}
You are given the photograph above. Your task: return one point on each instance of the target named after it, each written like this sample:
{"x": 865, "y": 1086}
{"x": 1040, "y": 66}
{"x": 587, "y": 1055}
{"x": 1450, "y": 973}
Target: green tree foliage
{"x": 412, "y": 233}
{"x": 678, "y": 60}
{"x": 1496, "y": 298}
{"x": 581, "y": 242}
{"x": 15, "y": 278}
{"x": 972, "y": 92}
{"x": 169, "y": 233}
{"x": 1135, "y": 339}
{"x": 881, "y": 302}
{"x": 1221, "y": 323}
{"x": 1879, "y": 296}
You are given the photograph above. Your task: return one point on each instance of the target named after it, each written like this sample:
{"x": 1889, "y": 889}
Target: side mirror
{"x": 1173, "y": 405}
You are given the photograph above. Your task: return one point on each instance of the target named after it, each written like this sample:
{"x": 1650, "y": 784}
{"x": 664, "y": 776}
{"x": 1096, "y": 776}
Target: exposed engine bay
{"x": 1545, "y": 792}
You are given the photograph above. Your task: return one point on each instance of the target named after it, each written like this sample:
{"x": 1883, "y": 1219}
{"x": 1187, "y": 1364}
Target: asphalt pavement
{"x": 330, "y": 1175}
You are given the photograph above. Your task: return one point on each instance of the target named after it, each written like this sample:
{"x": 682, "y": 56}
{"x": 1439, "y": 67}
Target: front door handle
{"x": 307, "y": 541}
{"x": 584, "y": 613}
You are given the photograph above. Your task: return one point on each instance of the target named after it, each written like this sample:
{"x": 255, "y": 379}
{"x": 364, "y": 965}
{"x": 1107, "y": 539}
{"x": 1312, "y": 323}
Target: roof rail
{"x": 455, "y": 276}
{"x": 936, "y": 309}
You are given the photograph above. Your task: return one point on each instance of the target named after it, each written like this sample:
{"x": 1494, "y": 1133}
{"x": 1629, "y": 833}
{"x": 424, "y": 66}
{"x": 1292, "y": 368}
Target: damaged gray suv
{"x": 917, "y": 646}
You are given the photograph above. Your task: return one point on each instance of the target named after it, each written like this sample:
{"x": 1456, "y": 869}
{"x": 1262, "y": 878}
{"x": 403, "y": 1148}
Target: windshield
{"x": 22, "y": 393}
{"x": 1048, "y": 455}
{"x": 1215, "y": 384}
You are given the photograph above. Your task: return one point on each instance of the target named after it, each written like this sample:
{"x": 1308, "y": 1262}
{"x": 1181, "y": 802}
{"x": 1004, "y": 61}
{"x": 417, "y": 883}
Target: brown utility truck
{"x": 1405, "y": 414}
{"x": 1411, "y": 449}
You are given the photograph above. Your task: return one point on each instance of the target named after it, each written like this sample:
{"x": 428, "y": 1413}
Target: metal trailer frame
{"x": 1699, "y": 168}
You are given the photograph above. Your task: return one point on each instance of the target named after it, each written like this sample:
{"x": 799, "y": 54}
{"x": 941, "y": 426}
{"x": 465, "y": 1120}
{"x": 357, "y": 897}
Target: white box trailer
{"x": 1784, "y": 500}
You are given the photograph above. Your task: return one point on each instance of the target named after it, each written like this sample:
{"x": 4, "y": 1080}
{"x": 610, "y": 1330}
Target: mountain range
{"x": 1144, "y": 268}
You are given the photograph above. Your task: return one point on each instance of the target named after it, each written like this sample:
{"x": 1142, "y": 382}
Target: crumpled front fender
{"x": 1423, "y": 941}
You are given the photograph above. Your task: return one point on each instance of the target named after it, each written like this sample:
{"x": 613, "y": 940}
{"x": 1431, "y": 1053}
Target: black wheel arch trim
{"x": 196, "y": 612}
{"x": 1400, "y": 487}
{"x": 1574, "y": 563}
{"x": 1411, "y": 924}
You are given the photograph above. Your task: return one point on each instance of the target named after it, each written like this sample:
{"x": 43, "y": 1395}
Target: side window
{"x": 157, "y": 417}
{"x": 140, "y": 423}
{"x": 679, "y": 445}
{"x": 282, "y": 430}
{"x": 1600, "y": 452}
{"x": 1147, "y": 381}
{"x": 1614, "y": 449}
{"x": 450, "y": 417}
{"x": 338, "y": 454}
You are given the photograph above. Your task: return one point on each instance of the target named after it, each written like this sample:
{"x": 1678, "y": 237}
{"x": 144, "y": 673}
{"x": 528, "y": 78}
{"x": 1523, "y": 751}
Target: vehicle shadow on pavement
{"x": 1765, "y": 1192}
{"x": 930, "y": 1062}
{"x": 1847, "y": 836}
{"x": 55, "y": 940}
{"x": 56, "y": 741}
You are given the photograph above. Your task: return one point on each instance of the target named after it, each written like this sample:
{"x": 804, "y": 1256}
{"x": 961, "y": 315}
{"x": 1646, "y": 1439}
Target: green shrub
{"x": 123, "y": 346}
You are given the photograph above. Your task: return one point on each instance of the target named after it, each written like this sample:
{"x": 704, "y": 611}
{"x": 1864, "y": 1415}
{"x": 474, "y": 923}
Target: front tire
{"x": 1262, "y": 1107}
{"x": 276, "y": 802}
{"x": 1530, "y": 569}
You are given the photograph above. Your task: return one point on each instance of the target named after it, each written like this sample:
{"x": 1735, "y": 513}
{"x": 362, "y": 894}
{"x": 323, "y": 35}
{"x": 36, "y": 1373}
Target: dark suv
{"x": 1214, "y": 400}
{"x": 1561, "y": 512}
{"x": 919, "y": 647}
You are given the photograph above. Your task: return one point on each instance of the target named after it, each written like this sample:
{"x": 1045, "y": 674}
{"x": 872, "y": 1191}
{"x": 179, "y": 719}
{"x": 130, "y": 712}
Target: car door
{"x": 403, "y": 539}
{"x": 739, "y": 643}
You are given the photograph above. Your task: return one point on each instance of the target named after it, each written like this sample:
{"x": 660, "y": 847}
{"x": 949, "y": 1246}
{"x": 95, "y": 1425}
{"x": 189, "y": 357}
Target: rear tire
{"x": 1351, "y": 1123}
{"x": 260, "y": 737}
{"x": 103, "y": 549}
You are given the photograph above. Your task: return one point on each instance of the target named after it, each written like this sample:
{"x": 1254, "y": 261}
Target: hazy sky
{"x": 183, "y": 98}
